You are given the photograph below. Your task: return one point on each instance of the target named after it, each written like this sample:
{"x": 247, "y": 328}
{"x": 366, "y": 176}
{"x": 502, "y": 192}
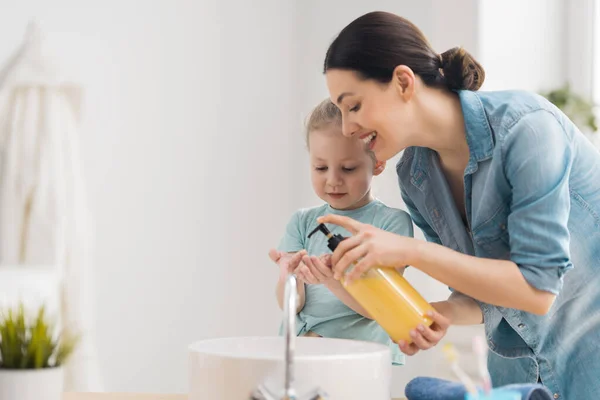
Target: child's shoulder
{"x": 393, "y": 219}
{"x": 310, "y": 212}
{"x": 305, "y": 217}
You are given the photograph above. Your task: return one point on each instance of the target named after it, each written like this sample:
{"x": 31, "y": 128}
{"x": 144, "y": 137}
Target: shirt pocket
{"x": 492, "y": 234}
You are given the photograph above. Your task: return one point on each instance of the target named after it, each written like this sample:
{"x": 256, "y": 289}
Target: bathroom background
{"x": 193, "y": 154}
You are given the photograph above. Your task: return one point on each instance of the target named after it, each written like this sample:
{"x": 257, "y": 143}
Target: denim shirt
{"x": 532, "y": 195}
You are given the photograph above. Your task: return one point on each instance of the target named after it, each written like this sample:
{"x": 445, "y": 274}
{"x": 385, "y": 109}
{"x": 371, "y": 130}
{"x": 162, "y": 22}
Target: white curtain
{"x": 44, "y": 219}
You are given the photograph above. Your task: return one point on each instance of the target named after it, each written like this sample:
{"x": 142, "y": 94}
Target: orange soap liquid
{"x": 391, "y": 301}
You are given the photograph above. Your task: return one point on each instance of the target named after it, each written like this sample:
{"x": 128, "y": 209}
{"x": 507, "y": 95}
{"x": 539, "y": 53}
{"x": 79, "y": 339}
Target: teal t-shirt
{"x": 323, "y": 312}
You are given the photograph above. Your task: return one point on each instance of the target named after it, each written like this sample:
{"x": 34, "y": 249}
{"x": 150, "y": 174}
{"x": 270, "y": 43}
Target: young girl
{"x": 341, "y": 174}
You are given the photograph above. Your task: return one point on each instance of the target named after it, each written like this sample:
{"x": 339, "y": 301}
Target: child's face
{"x": 341, "y": 169}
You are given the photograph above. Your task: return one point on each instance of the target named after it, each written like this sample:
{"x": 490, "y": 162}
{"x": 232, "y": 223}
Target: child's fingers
{"x": 274, "y": 255}
{"x": 295, "y": 260}
{"x": 300, "y": 276}
{"x": 326, "y": 260}
{"x": 322, "y": 268}
{"x": 310, "y": 278}
{"x": 311, "y": 267}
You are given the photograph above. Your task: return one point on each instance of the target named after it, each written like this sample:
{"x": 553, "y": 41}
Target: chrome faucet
{"x": 289, "y": 333}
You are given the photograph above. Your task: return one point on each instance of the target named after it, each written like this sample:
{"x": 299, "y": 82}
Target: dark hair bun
{"x": 460, "y": 70}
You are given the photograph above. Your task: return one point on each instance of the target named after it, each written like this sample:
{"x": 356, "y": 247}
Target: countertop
{"x": 127, "y": 396}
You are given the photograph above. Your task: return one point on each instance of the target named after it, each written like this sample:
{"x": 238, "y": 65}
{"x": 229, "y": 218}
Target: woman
{"x": 505, "y": 188}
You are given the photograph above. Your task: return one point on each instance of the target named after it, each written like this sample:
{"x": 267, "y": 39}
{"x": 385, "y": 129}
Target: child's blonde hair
{"x": 324, "y": 114}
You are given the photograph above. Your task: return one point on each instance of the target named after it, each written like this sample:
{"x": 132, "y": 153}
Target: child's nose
{"x": 334, "y": 179}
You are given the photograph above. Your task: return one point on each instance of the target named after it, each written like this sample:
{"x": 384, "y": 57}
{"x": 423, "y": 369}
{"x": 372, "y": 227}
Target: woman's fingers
{"x": 420, "y": 340}
{"x": 345, "y": 246}
{"x": 408, "y": 349}
{"x": 349, "y": 258}
{"x": 440, "y": 322}
{"x": 351, "y": 225}
{"x": 432, "y": 336}
{"x": 361, "y": 267}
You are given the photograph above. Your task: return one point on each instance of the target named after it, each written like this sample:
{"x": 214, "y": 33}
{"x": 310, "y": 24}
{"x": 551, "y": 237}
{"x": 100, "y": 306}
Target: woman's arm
{"x": 498, "y": 282}
{"x": 460, "y": 309}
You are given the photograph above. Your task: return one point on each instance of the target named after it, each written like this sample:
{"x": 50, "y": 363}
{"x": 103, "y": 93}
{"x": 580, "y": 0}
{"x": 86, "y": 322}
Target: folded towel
{"x": 425, "y": 388}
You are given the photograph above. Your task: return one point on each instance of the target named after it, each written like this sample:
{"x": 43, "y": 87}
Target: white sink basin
{"x": 231, "y": 368}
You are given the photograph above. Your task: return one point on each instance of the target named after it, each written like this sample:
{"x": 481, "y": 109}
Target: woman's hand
{"x": 424, "y": 338}
{"x": 368, "y": 247}
{"x": 316, "y": 270}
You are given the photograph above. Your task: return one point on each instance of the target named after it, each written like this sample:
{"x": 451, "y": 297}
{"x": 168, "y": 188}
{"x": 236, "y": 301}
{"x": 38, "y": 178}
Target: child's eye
{"x": 355, "y": 108}
{"x": 321, "y": 168}
{"x": 349, "y": 169}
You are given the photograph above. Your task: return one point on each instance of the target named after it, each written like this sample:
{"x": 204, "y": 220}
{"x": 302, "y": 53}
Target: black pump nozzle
{"x": 333, "y": 240}
{"x": 322, "y": 228}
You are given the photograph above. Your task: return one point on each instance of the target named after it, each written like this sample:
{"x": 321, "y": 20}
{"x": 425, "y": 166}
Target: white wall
{"x": 189, "y": 116}
{"x": 523, "y": 44}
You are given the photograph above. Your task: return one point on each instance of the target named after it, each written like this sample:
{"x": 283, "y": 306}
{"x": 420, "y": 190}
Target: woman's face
{"x": 380, "y": 114}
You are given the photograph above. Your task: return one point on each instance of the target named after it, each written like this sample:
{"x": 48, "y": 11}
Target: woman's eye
{"x": 355, "y": 108}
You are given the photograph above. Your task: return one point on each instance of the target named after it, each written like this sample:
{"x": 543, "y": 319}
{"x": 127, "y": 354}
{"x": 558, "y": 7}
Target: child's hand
{"x": 316, "y": 270}
{"x": 288, "y": 263}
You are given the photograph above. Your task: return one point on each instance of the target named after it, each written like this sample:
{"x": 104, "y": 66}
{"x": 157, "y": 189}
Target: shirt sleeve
{"x": 293, "y": 240}
{"x": 428, "y": 232}
{"x": 398, "y": 222}
{"x": 538, "y": 156}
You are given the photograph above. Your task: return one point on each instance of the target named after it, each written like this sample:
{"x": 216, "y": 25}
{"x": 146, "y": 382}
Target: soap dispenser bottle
{"x": 386, "y": 295}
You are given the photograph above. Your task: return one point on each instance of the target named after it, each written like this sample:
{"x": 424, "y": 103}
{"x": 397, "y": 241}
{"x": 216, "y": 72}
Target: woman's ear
{"x": 379, "y": 167}
{"x": 403, "y": 79}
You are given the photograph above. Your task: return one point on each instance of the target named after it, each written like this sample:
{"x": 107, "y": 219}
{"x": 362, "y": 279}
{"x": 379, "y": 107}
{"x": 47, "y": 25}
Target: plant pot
{"x": 31, "y": 384}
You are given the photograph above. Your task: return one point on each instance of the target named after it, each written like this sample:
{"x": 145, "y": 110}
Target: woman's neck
{"x": 443, "y": 128}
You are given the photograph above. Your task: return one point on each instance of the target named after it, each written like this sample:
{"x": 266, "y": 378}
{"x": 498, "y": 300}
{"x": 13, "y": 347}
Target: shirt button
{"x": 502, "y": 226}
{"x": 556, "y": 395}
{"x": 521, "y": 326}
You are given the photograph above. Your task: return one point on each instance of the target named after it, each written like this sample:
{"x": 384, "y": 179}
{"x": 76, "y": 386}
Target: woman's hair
{"x": 323, "y": 115}
{"x": 374, "y": 44}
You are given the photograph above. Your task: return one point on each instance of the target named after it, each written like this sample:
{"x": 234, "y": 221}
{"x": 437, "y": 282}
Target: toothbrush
{"x": 480, "y": 349}
{"x": 452, "y": 357}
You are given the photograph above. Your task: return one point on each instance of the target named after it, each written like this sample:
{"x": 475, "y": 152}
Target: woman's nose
{"x": 348, "y": 127}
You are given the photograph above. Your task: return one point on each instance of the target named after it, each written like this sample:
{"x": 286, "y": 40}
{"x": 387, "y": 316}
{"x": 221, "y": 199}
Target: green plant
{"x": 32, "y": 345}
{"x": 578, "y": 109}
